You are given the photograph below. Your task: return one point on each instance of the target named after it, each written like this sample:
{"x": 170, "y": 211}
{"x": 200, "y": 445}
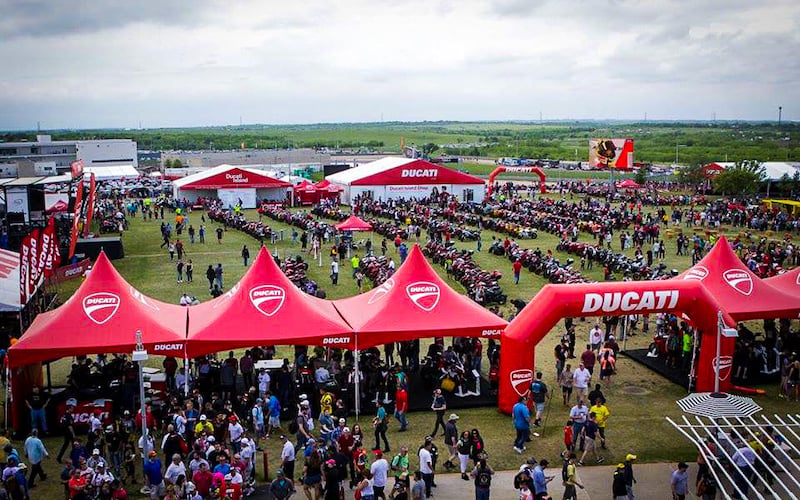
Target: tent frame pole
{"x": 357, "y": 376}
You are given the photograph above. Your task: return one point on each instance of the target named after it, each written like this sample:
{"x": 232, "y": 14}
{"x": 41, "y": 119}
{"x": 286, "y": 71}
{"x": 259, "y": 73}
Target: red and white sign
{"x": 71, "y": 271}
{"x": 101, "y": 307}
{"x": 268, "y": 299}
{"x": 236, "y": 178}
{"x": 611, "y": 153}
{"x": 335, "y": 340}
{"x": 83, "y": 410}
{"x": 739, "y": 280}
{"x": 381, "y": 291}
{"x": 424, "y": 294}
{"x": 139, "y": 296}
{"x": 696, "y": 273}
{"x": 725, "y": 366}
{"x": 610, "y": 302}
{"x": 416, "y": 172}
{"x": 521, "y": 380}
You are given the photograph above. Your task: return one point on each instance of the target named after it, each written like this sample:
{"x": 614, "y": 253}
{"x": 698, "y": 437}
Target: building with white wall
{"x": 45, "y": 153}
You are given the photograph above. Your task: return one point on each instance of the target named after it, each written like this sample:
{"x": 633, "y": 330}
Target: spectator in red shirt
{"x": 401, "y": 407}
{"x": 77, "y": 485}
{"x": 517, "y": 265}
{"x": 202, "y": 480}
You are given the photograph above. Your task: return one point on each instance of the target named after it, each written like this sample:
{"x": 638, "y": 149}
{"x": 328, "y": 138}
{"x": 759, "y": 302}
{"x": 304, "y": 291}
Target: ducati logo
{"x": 424, "y": 294}
{"x": 381, "y": 291}
{"x": 797, "y": 281}
{"x": 739, "y": 280}
{"x": 725, "y": 365}
{"x": 137, "y": 295}
{"x": 268, "y": 299}
{"x": 696, "y": 273}
{"x": 100, "y": 307}
{"x": 521, "y": 380}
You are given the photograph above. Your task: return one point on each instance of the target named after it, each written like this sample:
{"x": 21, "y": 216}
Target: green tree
{"x": 693, "y": 174}
{"x": 641, "y": 174}
{"x": 429, "y": 148}
{"x": 744, "y": 178}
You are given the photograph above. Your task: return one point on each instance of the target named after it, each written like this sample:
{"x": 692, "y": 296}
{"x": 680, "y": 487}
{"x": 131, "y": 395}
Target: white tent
{"x": 774, "y": 170}
{"x": 9, "y": 281}
{"x": 112, "y": 172}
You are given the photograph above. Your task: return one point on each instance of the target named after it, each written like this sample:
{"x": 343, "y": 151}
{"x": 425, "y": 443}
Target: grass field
{"x": 637, "y": 423}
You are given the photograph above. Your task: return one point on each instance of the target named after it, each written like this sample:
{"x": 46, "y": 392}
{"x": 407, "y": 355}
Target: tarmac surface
{"x": 652, "y": 484}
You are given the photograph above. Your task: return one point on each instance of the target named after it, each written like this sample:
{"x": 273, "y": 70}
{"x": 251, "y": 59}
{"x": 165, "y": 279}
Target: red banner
{"x": 72, "y": 271}
{"x": 53, "y": 256}
{"x": 46, "y": 247}
{"x": 89, "y": 206}
{"x": 33, "y": 259}
{"x": 77, "y": 168}
{"x": 24, "y": 269}
{"x": 76, "y": 219}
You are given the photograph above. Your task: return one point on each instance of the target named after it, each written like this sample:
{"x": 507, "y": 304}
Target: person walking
{"x": 245, "y": 255}
{"x": 355, "y": 262}
{"x": 219, "y": 235}
{"x": 179, "y": 272}
{"x": 171, "y": 250}
{"x": 482, "y": 474}
{"x": 451, "y": 440}
{"x": 571, "y": 479}
{"x": 334, "y": 272}
{"x": 381, "y": 425}
{"x": 522, "y": 424}
{"x": 618, "y": 490}
{"x": 589, "y": 435}
{"x": 629, "y": 479}
{"x": 66, "y": 423}
{"x": 210, "y": 275}
{"x": 36, "y": 452}
{"x": 426, "y": 467}
{"x": 602, "y": 413}
{"x": 439, "y": 406}
{"x": 679, "y": 482}
{"x": 218, "y": 272}
{"x": 191, "y": 234}
{"x": 189, "y": 271}
{"x": 179, "y": 249}
{"x": 401, "y": 407}
{"x": 287, "y": 458}
{"x": 517, "y": 266}
{"x": 538, "y": 391}
{"x": 202, "y": 233}
{"x": 540, "y": 480}
{"x": 379, "y": 470}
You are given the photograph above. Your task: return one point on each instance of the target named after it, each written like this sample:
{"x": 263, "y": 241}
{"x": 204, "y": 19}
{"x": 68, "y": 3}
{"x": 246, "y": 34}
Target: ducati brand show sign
{"x": 739, "y": 280}
{"x": 381, "y": 291}
{"x": 421, "y": 172}
{"x": 335, "y": 340}
{"x": 424, "y": 294}
{"x": 101, "y": 307}
{"x": 139, "y": 296}
{"x": 696, "y": 273}
{"x": 167, "y": 347}
{"x": 239, "y": 178}
{"x": 630, "y": 301}
{"x": 268, "y": 299}
{"x": 725, "y": 366}
{"x": 521, "y": 380}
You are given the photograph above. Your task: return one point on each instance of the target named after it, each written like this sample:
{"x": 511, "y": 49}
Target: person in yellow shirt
{"x": 204, "y": 425}
{"x": 326, "y": 402}
{"x": 3, "y": 442}
{"x": 602, "y": 413}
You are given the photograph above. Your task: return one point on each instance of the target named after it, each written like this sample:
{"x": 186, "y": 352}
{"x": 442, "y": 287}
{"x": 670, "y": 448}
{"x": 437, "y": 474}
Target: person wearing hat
{"x": 629, "y": 479}
{"x": 101, "y": 476}
{"x": 152, "y": 475}
{"x": 95, "y": 459}
{"x": 287, "y": 458}
{"x": 451, "y": 440}
{"x": 379, "y": 470}
{"x": 281, "y": 488}
{"x": 618, "y": 490}
{"x": 203, "y": 425}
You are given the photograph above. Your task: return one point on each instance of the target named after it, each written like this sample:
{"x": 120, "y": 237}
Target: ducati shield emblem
{"x": 101, "y": 307}
{"x": 381, "y": 291}
{"x": 739, "y": 280}
{"x": 725, "y": 366}
{"x": 521, "y": 380}
{"x": 268, "y": 299}
{"x": 424, "y": 294}
{"x": 696, "y": 273}
{"x": 137, "y": 295}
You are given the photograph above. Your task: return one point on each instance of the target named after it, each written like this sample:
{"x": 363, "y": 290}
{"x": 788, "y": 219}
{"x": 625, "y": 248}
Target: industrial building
{"x": 45, "y": 156}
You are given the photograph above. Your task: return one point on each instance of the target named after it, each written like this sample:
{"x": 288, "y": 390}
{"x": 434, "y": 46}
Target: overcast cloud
{"x": 98, "y": 63}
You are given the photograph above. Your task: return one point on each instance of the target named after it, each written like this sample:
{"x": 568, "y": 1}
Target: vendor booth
{"x": 395, "y": 178}
{"x": 234, "y": 185}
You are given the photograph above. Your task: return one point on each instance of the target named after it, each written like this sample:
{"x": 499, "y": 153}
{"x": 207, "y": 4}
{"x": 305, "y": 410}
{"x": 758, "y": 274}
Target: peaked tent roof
{"x": 325, "y": 185}
{"x": 229, "y": 176}
{"x": 414, "y": 303}
{"x": 305, "y": 186}
{"x": 400, "y": 171}
{"x": 628, "y": 183}
{"x": 788, "y": 282}
{"x": 265, "y": 307}
{"x": 102, "y": 316}
{"x": 741, "y": 293}
{"x": 354, "y": 223}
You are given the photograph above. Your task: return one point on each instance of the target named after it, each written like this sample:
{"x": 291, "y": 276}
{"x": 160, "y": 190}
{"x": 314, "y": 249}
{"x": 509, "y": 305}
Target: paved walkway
{"x": 653, "y": 484}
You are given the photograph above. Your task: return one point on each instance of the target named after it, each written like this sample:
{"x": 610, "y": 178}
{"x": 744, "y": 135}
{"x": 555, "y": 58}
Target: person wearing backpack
{"x": 399, "y": 466}
{"x": 482, "y": 474}
{"x": 539, "y": 396}
{"x": 569, "y": 476}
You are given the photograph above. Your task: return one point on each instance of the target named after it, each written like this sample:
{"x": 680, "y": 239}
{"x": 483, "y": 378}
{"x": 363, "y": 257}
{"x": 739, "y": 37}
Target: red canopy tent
{"x": 354, "y": 223}
{"x": 265, "y": 307}
{"x": 415, "y": 303}
{"x": 306, "y": 193}
{"x": 741, "y": 293}
{"x": 328, "y": 190}
{"x": 102, "y": 316}
{"x": 788, "y": 282}
{"x": 629, "y": 184}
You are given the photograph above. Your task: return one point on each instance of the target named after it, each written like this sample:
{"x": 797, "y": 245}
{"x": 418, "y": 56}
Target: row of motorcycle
{"x": 483, "y": 286}
{"x": 256, "y": 229}
{"x": 635, "y": 268}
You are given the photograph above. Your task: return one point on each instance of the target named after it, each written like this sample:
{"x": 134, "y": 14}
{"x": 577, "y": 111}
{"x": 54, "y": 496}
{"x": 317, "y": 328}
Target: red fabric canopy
{"x": 788, "y": 282}
{"x": 627, "y": 183}
{"x": 354, "y": 223}
{"x": 102, "y": 316}
{"x": 325, "y": 185}
{"x": 414, "y": 303}
{"x": 417, "y": 172}
{"x": 236, "y": 178}
{"x": 263, "y": 308}
{"x": 741, "y": 293}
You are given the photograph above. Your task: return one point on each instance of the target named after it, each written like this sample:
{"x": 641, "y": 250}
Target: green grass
{"x": 637, "y": 423}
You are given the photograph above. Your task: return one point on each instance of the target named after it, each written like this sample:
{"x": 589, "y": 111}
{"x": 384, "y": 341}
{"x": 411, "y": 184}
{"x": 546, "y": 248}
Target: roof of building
{"x": 395, "y": 171}
{"x": 112, "y": 172}
{"x": 208, "y": 178}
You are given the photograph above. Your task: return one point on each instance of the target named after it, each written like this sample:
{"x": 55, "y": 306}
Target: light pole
{"x": 139, "y": 357}
{"x": 676, "y": 151}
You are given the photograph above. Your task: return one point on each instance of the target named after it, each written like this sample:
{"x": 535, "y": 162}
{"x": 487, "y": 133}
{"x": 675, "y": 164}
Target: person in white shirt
{"x": 580, "y": 381}
{"x": 322, "y": 375}
{"x": 197, "y": 460}
{"x": 426, "y": 466}
{"x": 175, "y": 469}
{"x": 101, "y": 476}
{"x": 185, "y": 300}
{"x": 179, "y": 421}
{"x": 235, "y": 430}
{"x": 287, "y": 458}
{"x": 380, "y": 474}
{"x": 596, "y": 337}
{"x": 263, "y": 382}
{"x": 95, "y": 424}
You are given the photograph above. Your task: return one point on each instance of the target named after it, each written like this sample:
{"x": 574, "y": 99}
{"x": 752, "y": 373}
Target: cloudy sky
{"x": 101, "y": 63}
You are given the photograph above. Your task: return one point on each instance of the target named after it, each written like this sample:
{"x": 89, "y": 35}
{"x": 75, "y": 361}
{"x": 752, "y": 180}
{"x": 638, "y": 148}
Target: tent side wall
{"x": 272, "y": 194}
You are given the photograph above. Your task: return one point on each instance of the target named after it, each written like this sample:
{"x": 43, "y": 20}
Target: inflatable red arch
{"x": 520, "y": 170}
{"x": 554, "y": 302}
